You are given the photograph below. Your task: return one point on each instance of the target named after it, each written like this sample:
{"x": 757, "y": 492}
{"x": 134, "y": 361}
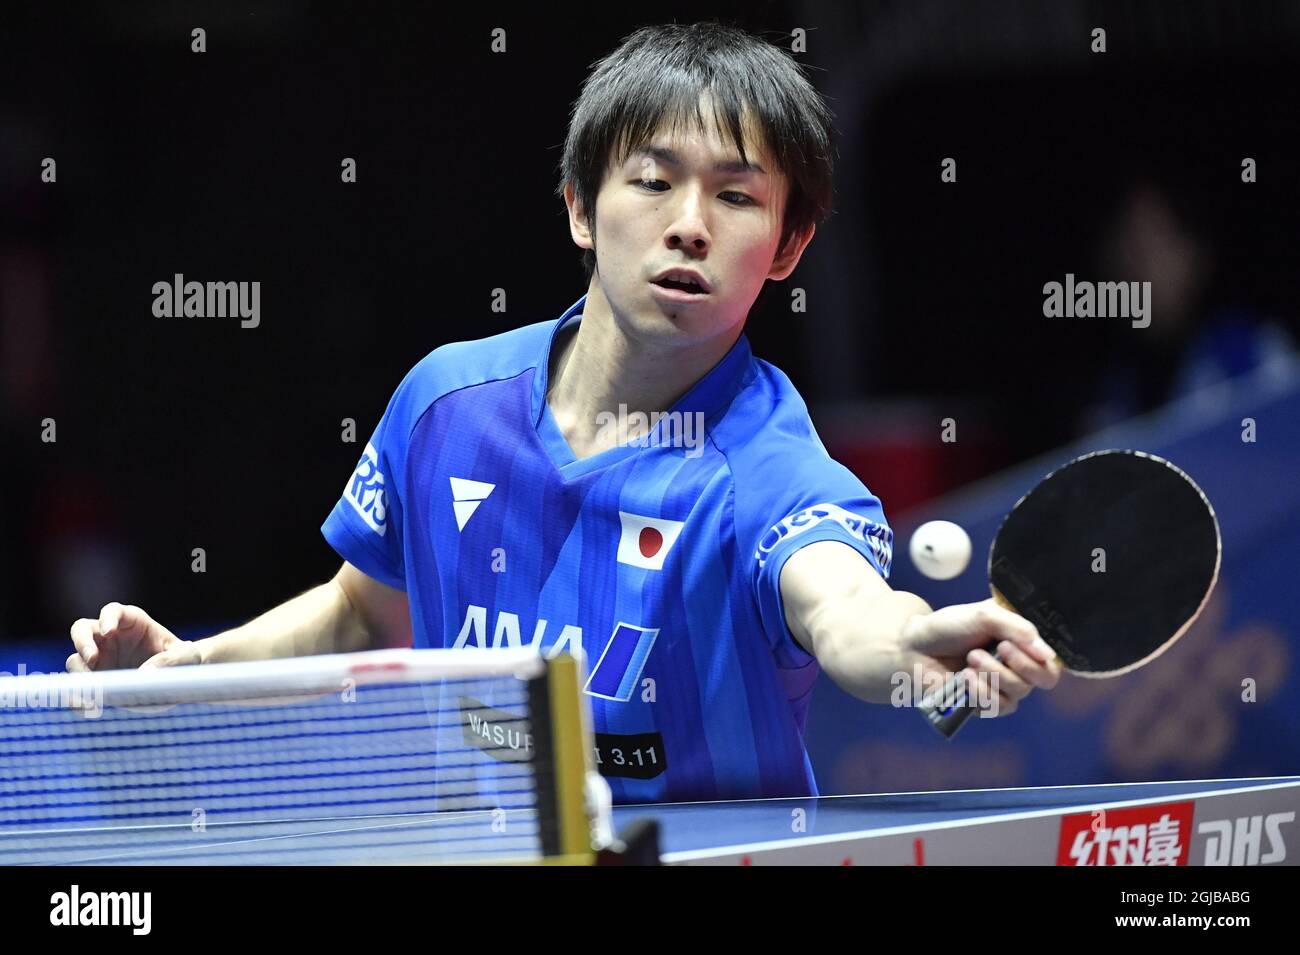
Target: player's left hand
{"x": 953, "y": 638}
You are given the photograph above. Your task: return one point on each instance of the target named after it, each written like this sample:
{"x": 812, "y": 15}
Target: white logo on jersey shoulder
{"x": 877, "y": 537}
{"x": 466, "y": 496}
{"x": 365, "y": 491}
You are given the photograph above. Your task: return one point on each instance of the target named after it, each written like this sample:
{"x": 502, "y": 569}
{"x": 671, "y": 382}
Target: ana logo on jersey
{"x": 646, "y": 541}
{"x": 617, "y": 672}
{"x": 466, "y": 496}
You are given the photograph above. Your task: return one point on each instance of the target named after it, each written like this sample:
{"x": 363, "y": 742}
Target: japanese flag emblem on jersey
{"x": 646, "y": 541}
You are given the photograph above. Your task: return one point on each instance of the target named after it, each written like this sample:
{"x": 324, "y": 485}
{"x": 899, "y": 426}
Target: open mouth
{"x": 680, "y": 286}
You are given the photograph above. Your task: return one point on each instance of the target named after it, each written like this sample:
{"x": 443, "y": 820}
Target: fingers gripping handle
{"x": 948, "y": 708}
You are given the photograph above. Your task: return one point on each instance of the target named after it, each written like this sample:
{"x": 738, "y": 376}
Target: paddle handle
{"x": 948, "y": 708}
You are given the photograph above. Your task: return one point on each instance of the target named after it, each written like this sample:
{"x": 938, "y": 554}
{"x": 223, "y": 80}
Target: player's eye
{"x": 741, "y": 198}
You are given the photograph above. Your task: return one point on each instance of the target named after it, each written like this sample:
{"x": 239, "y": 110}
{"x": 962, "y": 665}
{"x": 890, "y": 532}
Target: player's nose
{"x": 688, "y": 228}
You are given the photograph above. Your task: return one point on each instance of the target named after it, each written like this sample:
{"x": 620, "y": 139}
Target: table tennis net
{"x": 394, "y": 756}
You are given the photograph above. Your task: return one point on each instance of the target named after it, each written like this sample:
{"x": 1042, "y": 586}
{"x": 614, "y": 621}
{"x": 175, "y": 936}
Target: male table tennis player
{"x": 709, "y": 573}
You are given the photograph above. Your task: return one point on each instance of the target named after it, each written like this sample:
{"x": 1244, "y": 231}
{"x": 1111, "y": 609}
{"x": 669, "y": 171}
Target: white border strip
{"x": 260, "y": 678}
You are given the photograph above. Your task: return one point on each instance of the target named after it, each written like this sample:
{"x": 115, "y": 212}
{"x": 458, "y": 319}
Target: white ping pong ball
{"x": 940, "y": 549}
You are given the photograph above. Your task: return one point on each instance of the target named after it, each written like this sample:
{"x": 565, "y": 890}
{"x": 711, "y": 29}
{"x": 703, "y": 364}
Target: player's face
{"x": 669, "y": 205}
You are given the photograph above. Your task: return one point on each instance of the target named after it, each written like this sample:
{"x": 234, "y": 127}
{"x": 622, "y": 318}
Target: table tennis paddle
{"x": 1111, "y": 556}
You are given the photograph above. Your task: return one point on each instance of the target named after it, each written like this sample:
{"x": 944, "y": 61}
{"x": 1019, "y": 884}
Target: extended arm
{"x": 863, "y": 633}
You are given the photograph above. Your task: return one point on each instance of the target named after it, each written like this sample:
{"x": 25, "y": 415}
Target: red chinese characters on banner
{"x": 1138, "y": 835}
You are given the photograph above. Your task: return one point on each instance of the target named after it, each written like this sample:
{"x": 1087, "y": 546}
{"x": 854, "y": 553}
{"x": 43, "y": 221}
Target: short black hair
{"x": 662, "y": 71}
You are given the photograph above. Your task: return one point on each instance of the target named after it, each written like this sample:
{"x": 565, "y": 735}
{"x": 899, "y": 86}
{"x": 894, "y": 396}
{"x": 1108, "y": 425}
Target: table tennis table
{"x": 1215, "y": 822}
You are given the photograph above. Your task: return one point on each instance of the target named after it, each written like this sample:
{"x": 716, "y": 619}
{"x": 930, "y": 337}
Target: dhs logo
{"x": 1246, "y": 840}
{"x": 365, "y": 492}
{"x": 877, "y": 537}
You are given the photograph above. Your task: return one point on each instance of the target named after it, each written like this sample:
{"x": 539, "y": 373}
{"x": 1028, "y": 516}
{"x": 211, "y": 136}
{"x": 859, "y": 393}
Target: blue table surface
{"x": 686, "y": 827}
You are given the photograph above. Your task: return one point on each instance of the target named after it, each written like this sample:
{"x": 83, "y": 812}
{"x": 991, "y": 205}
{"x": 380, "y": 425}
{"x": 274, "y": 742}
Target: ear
{"x": 579, "y": 228}
{"x": 787, "y": 259}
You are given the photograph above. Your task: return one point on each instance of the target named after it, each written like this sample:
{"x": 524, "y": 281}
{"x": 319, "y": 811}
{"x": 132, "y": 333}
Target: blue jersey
{"x": 661, "y": 558}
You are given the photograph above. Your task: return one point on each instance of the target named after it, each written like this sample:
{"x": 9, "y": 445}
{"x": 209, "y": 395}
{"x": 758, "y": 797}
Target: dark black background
{"x": 183, "y": 433}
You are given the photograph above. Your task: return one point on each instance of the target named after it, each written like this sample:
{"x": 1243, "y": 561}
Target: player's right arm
{"x": 865, "y": 634}
{"x": 349, "y": 613}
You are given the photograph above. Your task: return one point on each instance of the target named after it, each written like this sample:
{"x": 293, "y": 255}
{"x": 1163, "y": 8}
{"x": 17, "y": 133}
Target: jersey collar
{"x": 709, "y": 395}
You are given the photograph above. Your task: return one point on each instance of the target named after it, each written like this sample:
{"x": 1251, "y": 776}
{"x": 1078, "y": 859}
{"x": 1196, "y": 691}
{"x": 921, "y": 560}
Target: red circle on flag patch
{"x": 650, "y": 541}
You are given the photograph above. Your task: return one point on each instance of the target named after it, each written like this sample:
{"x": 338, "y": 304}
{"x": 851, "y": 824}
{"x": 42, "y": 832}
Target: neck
{"x": 602, "y": 366}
